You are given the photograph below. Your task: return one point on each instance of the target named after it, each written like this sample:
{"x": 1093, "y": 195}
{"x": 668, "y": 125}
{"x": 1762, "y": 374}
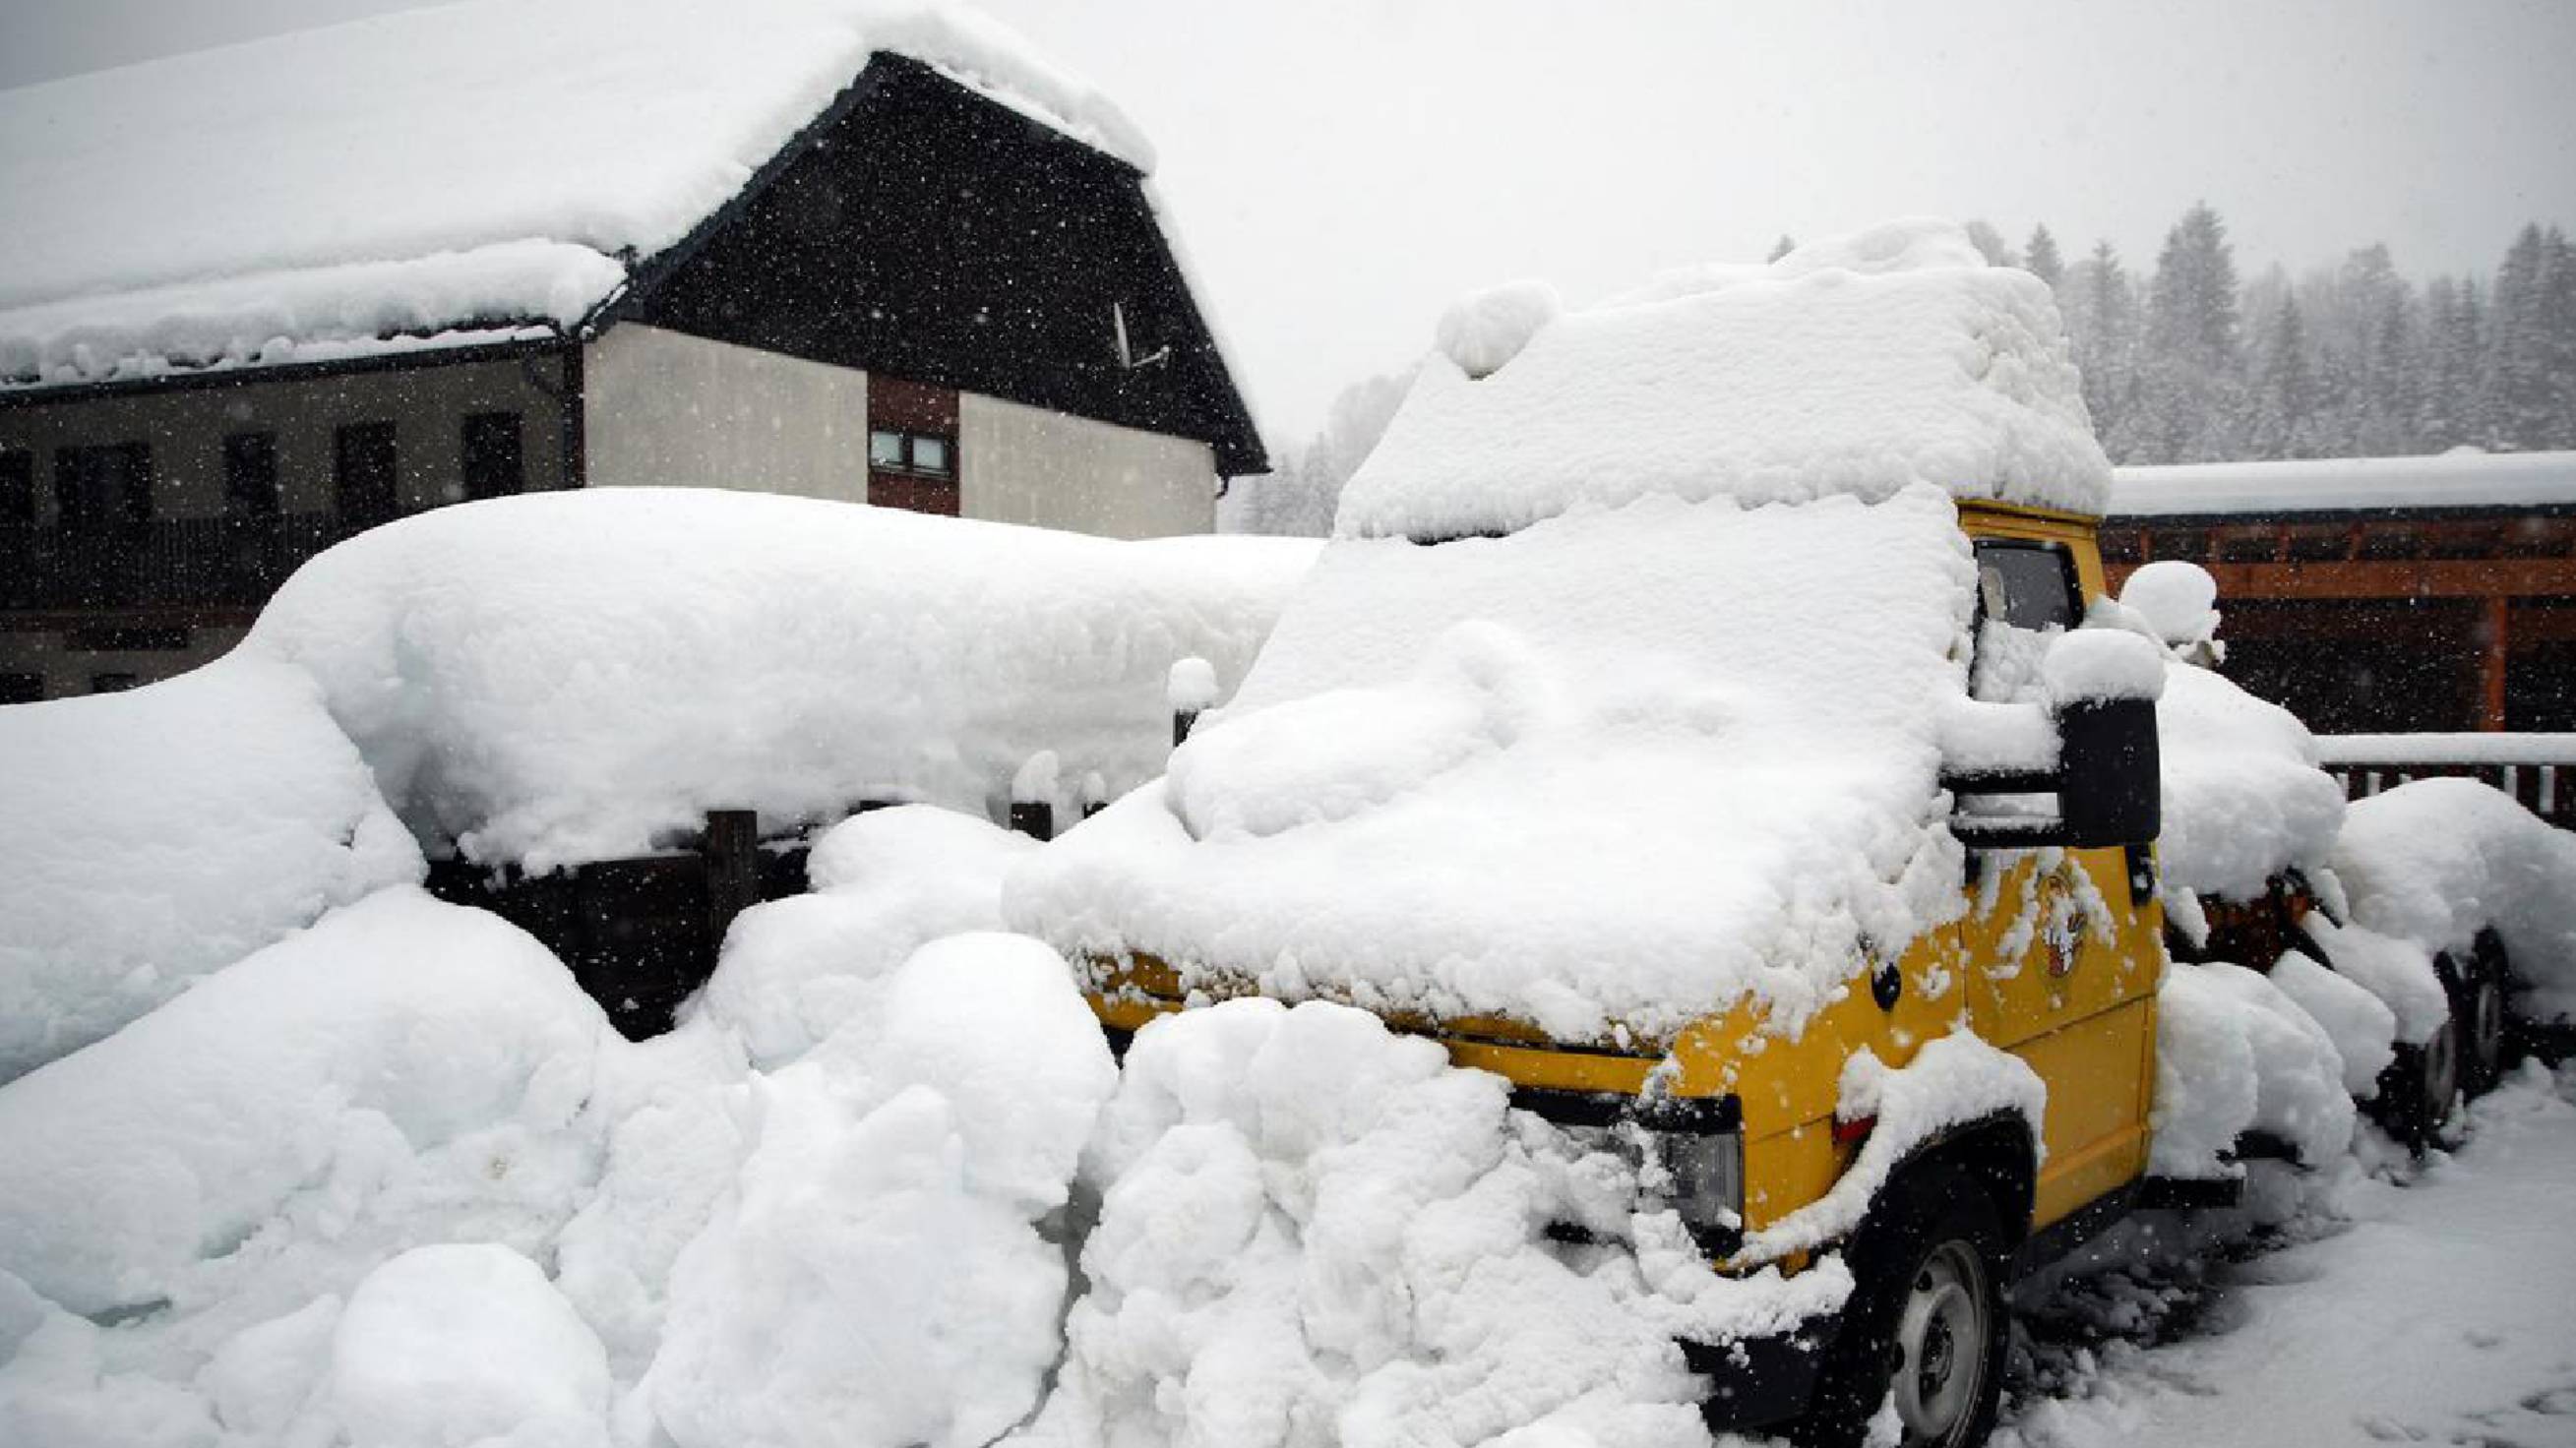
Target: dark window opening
{"x": 495, "y": 459}
{"x": 21, "y": 688}
{"x": 103, "y": 489}
{"x": 363, "y": 473}
{"x": 113, "y": 683}
{"x": 17, "y": 490}
{"x": 250, "y": 475}
{"x": 2026, "y": 596}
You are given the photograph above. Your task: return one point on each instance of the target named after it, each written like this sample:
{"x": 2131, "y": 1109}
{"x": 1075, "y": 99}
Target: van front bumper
{"x": 1759, "y": 1382}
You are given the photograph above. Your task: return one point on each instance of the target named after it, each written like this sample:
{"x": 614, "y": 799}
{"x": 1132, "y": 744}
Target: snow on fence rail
{"x": 2537, "y": 769}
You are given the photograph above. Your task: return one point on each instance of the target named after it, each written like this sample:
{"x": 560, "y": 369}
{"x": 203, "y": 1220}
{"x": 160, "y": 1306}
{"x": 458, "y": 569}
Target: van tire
{"x": 2478, "y": 1003}
{"x": 1927, "y": 1296}
{"x": 2421, "y": 1087}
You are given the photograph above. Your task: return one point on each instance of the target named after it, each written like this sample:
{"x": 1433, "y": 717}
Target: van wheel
{"x": 2421, "y": 1086}
{"x": 2478, "y": 1002}
{"x": 1924, "y": 1330}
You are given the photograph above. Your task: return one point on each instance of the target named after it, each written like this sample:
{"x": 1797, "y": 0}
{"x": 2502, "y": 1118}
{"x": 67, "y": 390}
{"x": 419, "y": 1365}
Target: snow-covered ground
{"x": 2405, "y": 1304}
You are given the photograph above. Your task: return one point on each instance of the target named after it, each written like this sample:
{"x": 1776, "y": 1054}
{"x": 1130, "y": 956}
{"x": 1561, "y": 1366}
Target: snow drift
{"x": 2439, "y": 860}
{"x": 147, "y": 838}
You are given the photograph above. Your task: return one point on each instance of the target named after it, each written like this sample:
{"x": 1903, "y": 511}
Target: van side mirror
{"x": 2102, "y": 686}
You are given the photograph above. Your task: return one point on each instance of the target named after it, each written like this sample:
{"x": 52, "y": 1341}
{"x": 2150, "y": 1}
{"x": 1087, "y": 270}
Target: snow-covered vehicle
{"x": 1679, "y": 726}
{"x": 2424, "y": 898}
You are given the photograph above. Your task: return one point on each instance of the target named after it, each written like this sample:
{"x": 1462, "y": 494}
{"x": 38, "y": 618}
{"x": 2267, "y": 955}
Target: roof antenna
{"x": 1127, "y": 357}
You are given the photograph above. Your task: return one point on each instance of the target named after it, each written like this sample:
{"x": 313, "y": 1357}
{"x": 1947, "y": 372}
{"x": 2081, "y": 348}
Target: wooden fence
{"x": 2537, "y": 769}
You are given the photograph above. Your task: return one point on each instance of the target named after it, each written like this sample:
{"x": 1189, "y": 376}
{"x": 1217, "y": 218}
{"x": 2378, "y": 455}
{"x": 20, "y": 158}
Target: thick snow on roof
{"x": 428, "y": 170}
{"x": 2448, "y": 480}
{"x": 564, "y": 677}
{"x": 1859, "y": 365}
{"x": 1616, "y": 769}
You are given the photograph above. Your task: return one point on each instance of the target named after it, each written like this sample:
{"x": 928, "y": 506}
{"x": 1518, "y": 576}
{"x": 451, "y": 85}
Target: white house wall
{"x": 1051, "y": 470}
{"x": 664, "y": 409}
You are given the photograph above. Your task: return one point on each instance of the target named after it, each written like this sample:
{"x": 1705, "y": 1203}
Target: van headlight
{"x": 1704, "y": 1178}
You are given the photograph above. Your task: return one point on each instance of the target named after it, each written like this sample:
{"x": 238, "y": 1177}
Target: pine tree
{"x": 1991, "y": 245}
{"x": 2283, "y": 422}
{"x": 2517, "y": 382}
{"x": 2192, "y": 382}
{"x": 2101, "y": 310}
{"x": 2039, "y": 256}
{"x": 2449, "y": 414}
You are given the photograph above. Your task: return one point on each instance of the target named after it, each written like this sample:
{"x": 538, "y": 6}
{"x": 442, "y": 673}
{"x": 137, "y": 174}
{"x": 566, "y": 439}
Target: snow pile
{"x": 2244, "y": 800}
{"x": 1950, "y": 1082}
{"x": 149, "y": 837}
{"x": 2177, "y": 599}
{"x": 2234, "y": 1055}
{"x": 402, "y": 1057}
{"x": 882, "y": 885}
{"x": 2361, "y": 1024}
{"x": 1858, "y": 366}
{"x": 412, "y": 179}
{"x": 2098, "y": 664}
{"x": 257, "y": 1185}
{"x": 1314, "y": 1231}
{"x": 465, "y": 1343}
{"x": 1613, "y": 771}
{"x": 2438, "y": 860}
{"x": 564, "y": 677}
{"x": 875, "y": 1275}
{"x": 2398, "y": 973}
{"x": 1484, "y": 332}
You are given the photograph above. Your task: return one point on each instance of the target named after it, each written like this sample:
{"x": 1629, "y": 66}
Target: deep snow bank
{"x": 1314, "y": 1231}
{"x": 1615, "y": 770}
{"x": 568, "y": 676}
{"x": 150, "y": 837}
{"x": 2244, "y": 800}
{"x": 1859, "y": 365}
{"x": 2439, "y": 860}
{"x": 400, "y": 1048}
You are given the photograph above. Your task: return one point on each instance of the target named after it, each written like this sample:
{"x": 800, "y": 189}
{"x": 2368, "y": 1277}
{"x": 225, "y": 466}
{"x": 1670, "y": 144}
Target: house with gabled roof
{"x": 257, "y": 298}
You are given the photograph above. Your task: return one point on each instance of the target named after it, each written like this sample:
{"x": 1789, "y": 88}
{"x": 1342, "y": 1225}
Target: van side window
{"x": 2026, "y": 596}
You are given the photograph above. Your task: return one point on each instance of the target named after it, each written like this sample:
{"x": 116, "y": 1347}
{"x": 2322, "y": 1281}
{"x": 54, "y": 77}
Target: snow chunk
{"x": 2235, "y": 1055}
{"x": 394, "y": 1027}
{"x": 451, "y": 1345}
{"x": 2097, "y": 664}
{"x": 2244, "y": 800}
{"x": 1855, "y": 367}
{"x": 2398, "y": 973}
{"x": 564, "y": 677}
{"x": 149, "y": 837}
{"x": 883, "y": 885}
{"x": 2363, "y": 1028}
{"x": 1951, "y": 1081}
{"x": 876, "y": 1277}
{"x": 2179, "y": 600}
{"x": 1624, "y": 766}
{"x": 1315, "y": 1230}
{"x": 2438, "y": 860}
{"x": 1483, "y": 332}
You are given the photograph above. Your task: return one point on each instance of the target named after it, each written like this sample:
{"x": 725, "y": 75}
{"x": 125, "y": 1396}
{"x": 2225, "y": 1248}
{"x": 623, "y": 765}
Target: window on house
{"x": 911, "y": 452}
{"x": 495, "y": 461}
{"x": 103, "y": 489}
{"x": 363, "y": 473}
{"x": 113, "y": 683}
{"x": 17, "y": 489}
{"x": 21, "y": 688}
{"x": 250, "y": 475}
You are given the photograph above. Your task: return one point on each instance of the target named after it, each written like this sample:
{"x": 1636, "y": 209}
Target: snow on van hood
{"x": 1613, "y": 771}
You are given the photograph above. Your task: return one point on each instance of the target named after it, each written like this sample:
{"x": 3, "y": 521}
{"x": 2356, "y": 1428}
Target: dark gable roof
{"x": 921, "y": 230}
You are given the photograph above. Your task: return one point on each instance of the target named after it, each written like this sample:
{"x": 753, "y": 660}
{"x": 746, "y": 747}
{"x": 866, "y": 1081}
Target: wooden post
{"x": 2499, "y": 652}
{"x": 732, "y": 850}
{"x": 1183, "y": 720}
{"x": 1034, "y": 818}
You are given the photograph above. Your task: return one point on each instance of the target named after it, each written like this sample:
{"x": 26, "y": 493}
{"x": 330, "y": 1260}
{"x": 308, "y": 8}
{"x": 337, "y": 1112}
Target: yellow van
{"x": 1694, "y": 722}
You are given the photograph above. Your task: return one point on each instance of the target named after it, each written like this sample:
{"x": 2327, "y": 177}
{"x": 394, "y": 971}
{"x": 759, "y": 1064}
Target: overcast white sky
{"x": 1342, "y": 168}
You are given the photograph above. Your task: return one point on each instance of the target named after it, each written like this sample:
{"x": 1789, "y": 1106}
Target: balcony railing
{"x": 2537, "y": 769}
{"x": 235, "y": 562}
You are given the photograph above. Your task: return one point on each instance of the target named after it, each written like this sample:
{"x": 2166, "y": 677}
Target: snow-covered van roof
{"x": 2461, "y": 479}
{"x": 1854, "y": 366}
{"x": 458, "y": 174}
